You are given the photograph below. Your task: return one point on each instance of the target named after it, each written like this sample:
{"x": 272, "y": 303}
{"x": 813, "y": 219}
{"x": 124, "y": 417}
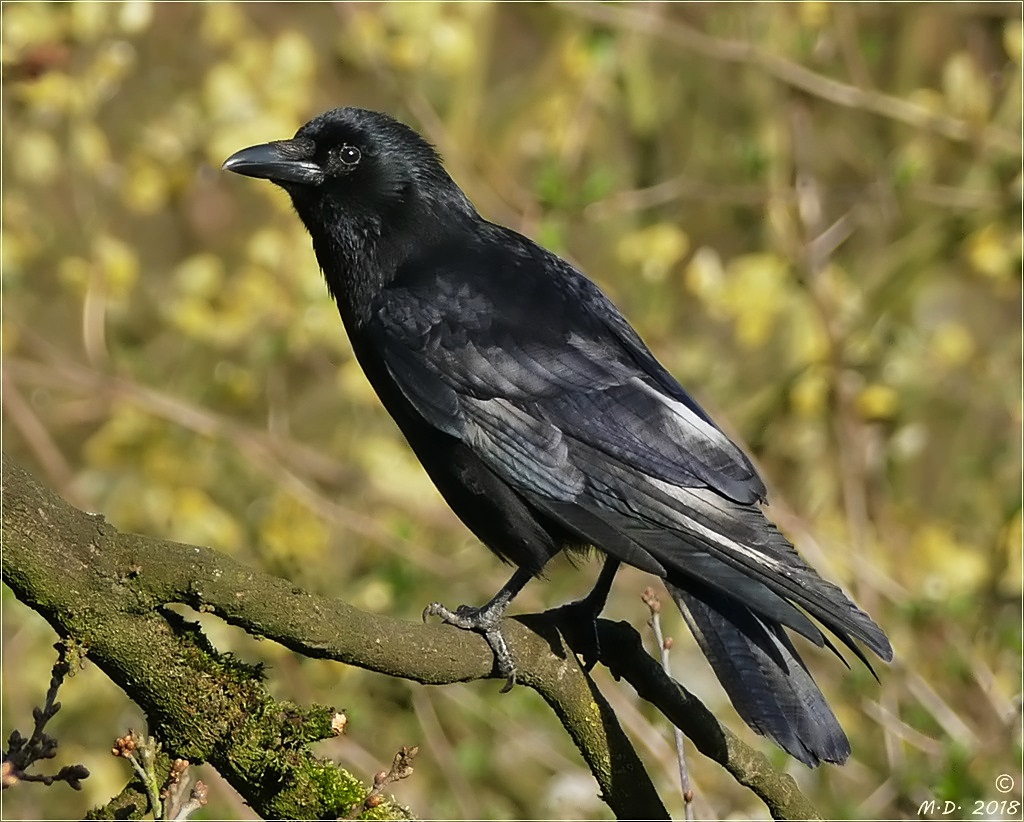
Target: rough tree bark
{"x": 109, "y": 591}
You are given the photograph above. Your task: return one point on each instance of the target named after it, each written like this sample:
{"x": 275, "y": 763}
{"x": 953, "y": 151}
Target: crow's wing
{"x": 537, "y": 335}
{"x": 525, "y": 360}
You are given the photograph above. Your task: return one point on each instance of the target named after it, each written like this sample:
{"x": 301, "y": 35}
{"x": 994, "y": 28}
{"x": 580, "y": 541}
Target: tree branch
{"x": 108, "y": 589}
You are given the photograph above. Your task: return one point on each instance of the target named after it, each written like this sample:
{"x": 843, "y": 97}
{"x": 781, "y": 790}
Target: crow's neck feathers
{"x": 362, "y": 235}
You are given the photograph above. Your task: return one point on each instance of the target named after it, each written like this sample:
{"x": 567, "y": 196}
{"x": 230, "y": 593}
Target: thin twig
{"x": 22, "y": 753}
{"x": 175, "y": 794}
{"x": 401, "y": 767}
{"x": 196, "y": 799}
{"x": 653, "y": 603}
{"x": 127, "y": 746}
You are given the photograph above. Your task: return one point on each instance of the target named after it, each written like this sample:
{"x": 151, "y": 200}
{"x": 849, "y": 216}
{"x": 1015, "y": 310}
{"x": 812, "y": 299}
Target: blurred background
{"x": 811, "y": 212}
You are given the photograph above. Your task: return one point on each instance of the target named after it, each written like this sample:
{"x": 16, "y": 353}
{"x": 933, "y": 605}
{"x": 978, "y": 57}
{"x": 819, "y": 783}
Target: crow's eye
{"x": 350, "y": 155}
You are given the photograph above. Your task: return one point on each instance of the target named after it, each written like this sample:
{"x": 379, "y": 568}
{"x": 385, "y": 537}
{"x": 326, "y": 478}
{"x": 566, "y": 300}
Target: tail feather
{"x": 764, "y": 676}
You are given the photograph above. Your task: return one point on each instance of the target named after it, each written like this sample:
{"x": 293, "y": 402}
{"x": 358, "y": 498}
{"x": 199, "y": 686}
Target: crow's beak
{"x": 283, "y": 161}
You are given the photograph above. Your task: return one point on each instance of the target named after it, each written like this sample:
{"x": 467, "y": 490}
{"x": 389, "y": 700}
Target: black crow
{"x": 547, "y": 424}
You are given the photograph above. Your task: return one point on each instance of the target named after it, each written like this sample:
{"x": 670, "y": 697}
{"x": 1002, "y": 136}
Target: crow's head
{"x": 353, "y": 164}
{"x": 372, "y": 194}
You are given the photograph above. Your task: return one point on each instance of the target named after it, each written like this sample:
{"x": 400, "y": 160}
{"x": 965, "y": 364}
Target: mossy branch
{"x": 109, "y": 590}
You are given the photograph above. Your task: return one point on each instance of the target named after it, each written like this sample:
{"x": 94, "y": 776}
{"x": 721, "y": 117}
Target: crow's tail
{"x": 768, "y": 683}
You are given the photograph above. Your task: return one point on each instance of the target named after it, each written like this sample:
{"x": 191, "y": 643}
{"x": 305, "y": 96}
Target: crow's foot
{"x": 486, "y": 621}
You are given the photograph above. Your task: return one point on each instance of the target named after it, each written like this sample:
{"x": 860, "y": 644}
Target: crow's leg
{"x": 486, "y": 620}
{"x": 579, "y": 618}
{"x": 595, "y": 601}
